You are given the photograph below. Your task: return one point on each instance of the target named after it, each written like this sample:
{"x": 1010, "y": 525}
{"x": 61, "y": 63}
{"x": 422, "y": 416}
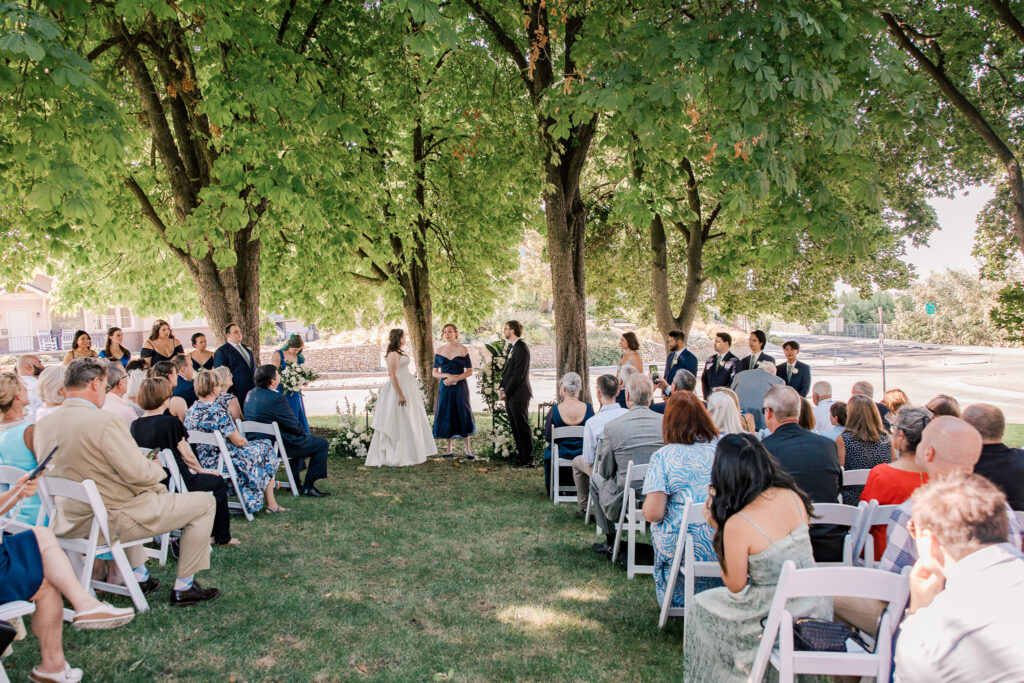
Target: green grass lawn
{"x": 1014, "y": 435}
{"x": 435, "y": 572}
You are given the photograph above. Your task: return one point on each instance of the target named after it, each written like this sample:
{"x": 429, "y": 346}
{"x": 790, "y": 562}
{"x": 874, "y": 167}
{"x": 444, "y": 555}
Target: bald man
{"x": 1000, "y": 464}
{"x": 29, "y": 368}
{"x": 948, "y": 445}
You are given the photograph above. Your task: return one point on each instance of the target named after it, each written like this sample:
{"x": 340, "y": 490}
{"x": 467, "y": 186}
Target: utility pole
{"x": 881, "y": 345}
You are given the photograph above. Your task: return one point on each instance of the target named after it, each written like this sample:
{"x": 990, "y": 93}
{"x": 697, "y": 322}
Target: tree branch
{"x": 284, "y": 21}
{"x": 505, "y": 40}
{"x": 102, "y": 47}
{"x": 149, "y": 211}
{"x": 311, "y": 28}
{"x": 1008, "y": 17}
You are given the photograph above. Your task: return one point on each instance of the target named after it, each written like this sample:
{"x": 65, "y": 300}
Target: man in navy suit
{"x": 794, "y": 373}
{"x": 679, "y": 358}
{"x": 757, "y": 355}
{"x": 721, "y": 368}
{"x": 516, "y": 392}
{"x": 265, "y": 404}
{"x": 239, "y": 359}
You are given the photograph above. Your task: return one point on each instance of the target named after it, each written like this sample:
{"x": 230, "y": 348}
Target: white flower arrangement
{"x": 353, "y": 439}
{"x": 295, "y": 376}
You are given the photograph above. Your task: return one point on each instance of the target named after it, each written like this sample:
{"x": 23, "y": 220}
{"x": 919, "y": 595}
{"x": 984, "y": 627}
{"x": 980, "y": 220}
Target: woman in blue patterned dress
{"x": 255, "y": 461}
{"x": 291, "y": 354}
{"x": 679, "y": 473}
{"x": 453, "y": 415}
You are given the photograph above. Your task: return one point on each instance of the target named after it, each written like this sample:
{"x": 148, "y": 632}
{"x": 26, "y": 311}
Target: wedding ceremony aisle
{"x": 434, "y": 572}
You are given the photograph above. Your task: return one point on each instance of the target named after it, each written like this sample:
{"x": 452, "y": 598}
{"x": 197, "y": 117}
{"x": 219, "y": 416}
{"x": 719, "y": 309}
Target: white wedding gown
{"x": 401, "y": 434}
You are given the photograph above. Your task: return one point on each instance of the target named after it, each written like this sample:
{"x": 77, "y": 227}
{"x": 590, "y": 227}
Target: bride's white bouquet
{"x": 295, "y": 376}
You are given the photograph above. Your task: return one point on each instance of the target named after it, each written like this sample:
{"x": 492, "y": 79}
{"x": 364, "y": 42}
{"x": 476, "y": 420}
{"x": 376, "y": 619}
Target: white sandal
{"x": 103, "y": 616}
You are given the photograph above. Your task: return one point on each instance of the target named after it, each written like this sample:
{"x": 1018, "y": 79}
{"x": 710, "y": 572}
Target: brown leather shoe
{"x": 193, "y": 595}
{"x": 149, "y": 585}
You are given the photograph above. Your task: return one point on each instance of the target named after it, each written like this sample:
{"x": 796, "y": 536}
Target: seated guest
{"x": 169, "y": 371}
{"x": 821, "y": 396}
{"x": 894, "y": 399}
{"x": 131, "y": 390}
{"x": 863, "y": 444}
{"x": 679, "y": 473}
{"x": 760, "y": 517}
{"x": 806, "y": 415}
{"x": 569, "y": 412}
{"x": 29, "y": 368}
{"x": 239, "y": 360}
{"x": 751, "y": 386}
{"x": 944, "y": 405}
{"x": 81, "y": 347}
{"x": 34, "y": 568}
{"x": 94, "y": 444}
{"x": 113, "y": 350}
{"x": 184, "y": 387}
{"x": 51, "y": 390}
{"x": 16, "y": 438}
{"x": 136, "y": 364}
{"x": 161, "y": 346}
{"x": 225, "y": 398}
{"x": 117, "y": 386}
{"x": 255, "y": 462}
{"x": 683, "y": 380}
{"x": 724, "y": 413}
{"x": 746, "y": 419}
{"x": 836, "y": 420}
{"x": 721, "y": 368}
{"x": 265, "y": 404}
{"x": 200, "y": 357}
{"x": 625, "y": 372}
{"x": 1000, "y": 464}
{"x": 156, "y": 429}
{"x": 593, "y": 431}
{"x": 812, "y": 462}
{"x": 863, "y": 388}
{"x": 633, "y": 436}
{"x": 794, "y": 373}
{"x": 966, "y": 591}
{"x": 948, "y": 446}
{"x": 892, "y": 483}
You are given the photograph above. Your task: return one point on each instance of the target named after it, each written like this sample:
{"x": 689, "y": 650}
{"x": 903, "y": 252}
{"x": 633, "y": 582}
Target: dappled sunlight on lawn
{"x": 537, "y": 618}
{"x": 585, "y": 593}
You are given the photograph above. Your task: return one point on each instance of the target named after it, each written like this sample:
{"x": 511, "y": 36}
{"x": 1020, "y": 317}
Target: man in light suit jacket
{"x": 96, "y": 444}
{"x": 757, "y": 355}
{"x": 794, "y": 373}
{"x": 634, "y": 436}
{"x": 515, "y": 390}
{"x": 239, "y": 359}
{"x": 679, "y": 358}
{"x": 265, "y": 404}
{"x": 720, "y": 369}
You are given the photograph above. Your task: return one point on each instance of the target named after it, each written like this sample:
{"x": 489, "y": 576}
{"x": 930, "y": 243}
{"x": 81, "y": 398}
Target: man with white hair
{"x": 821, "y": 397}
{"x": 683, "y": 380}
{"x": 634, "y": 436}
{"x": 593, "y": 431}
{"x": 752, "y": 385}
{"x": 625, "y": 372}
{"x": 29, "y": 369}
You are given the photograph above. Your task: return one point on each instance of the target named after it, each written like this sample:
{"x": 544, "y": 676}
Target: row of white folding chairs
{"x": 14, "y": 610}
{"x": 562, "y": 493}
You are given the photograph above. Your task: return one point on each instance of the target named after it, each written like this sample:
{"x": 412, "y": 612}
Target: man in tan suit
{"x": 96, "y": 444}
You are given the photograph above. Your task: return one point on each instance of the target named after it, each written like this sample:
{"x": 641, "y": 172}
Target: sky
{"x": 950, "y": 246}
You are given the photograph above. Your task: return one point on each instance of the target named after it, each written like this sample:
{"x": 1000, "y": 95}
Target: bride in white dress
{"x": 401, "y": 432}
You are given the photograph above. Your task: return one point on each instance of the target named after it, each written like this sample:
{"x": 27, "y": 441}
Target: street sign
{"x": 835, "y": 325}
{"x": 929, "y": 308}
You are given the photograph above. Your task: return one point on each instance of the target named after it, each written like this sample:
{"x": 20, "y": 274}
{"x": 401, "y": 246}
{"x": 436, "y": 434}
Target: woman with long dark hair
{"x": 453, "y": 414}
{"x": 401, "y": 432}
{"x": 201, "y": 357}
{"x": 760, "y": 518}
{"x": 162, "y": 344}
{"x": 630, "y": 346}
{"x": 291, "y": 354}
{"x": 113, "y": 349}
{"x": 81, "y": 347}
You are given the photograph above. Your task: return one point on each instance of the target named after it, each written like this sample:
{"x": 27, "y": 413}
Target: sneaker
{"x": 103, "y": 616}
{"x": 68, "y": 675}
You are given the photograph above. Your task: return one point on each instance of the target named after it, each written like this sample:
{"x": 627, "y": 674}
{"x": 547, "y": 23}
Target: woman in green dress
{"x": 760, "y": 519}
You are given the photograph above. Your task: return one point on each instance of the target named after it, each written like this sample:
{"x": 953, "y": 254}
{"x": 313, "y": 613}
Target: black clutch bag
{"x": 820, "y": 635}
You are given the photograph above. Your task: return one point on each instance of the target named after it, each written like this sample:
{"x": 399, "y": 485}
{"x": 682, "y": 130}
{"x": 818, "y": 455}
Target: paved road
{"x": 921, "y": 370}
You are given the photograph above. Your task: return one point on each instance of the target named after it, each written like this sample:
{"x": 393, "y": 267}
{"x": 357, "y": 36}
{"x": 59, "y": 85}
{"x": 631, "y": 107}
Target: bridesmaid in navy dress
{"x": 453, "y": 415}
{"x": 201, "y": 357}
{"x": 291, "y": 354}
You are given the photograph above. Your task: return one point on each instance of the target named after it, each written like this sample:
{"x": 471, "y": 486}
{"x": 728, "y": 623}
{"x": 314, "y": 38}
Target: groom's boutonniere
{"x": 796, "y": 371}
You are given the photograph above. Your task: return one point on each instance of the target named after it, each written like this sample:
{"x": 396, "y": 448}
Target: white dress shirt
{"x": 32, "y": 386}
{"x": 823, "y": 416}
{"x": 594, "y": 429}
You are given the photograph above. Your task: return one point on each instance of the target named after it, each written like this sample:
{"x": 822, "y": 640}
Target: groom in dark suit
{"x": 239, "y": 359}
{"x": 720, "y": 369}
{"x": 516, "y": 392}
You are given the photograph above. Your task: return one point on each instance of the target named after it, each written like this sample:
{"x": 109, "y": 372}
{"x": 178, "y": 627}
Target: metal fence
{"x": 858, "y": 330}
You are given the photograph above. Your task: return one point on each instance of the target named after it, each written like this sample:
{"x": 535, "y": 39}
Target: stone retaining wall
{"x": 354, "y": 358}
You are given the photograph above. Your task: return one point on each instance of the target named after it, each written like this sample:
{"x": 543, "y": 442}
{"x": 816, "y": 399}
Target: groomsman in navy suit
{"x": 679, "y": 358}
{"x": 794, "y": 373}
{"x": 239, "y": 359}
{"x": 757, "y": 355}
{"x": 721, "y": 368}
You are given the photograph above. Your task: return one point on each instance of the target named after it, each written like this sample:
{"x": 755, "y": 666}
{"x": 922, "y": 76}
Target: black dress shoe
{"x": 314, "y": 492}
{"x": 193, "y": 595}
{"x": 149, "y": 585}
{"x": 602, "y": 548}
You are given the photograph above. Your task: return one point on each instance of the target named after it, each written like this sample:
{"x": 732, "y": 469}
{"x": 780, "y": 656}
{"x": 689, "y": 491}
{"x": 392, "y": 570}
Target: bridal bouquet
{"x": 295, "y": 376}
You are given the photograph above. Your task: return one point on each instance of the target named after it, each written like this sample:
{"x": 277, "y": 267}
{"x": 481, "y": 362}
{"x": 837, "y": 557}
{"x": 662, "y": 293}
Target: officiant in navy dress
{"x": 453, "y": 414}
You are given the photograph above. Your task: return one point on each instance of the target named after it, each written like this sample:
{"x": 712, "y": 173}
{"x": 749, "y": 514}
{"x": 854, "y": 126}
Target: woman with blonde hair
{"x": 51, "y": 389}
{"x": 131, "y": 392}
{"x": 16, "y": 433}
{"x": 746, "y": 420}
{"x": 225, "y": 399}
{"x": 863, "y": 444}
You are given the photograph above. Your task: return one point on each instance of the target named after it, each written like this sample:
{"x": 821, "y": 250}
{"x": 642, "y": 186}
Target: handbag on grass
{"x": 821, "y": 635}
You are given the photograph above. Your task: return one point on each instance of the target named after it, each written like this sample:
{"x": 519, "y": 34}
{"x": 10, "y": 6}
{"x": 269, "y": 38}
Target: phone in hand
{"x": 44, "y": 465}
{"x": 654, "y": 372}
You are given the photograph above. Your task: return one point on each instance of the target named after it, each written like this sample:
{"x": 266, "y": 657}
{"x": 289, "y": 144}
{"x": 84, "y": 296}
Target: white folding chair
{"x": 250, "y": 427}
{"x": 631, "y": 520}
{"x": 174, "y": 485}
{"x": 852, "y": 582}
{"x": 684, "y": 562}
{"x": 562, "y": 493}
{"x": 853, "y": 478}
{"x": 224, "y": 465}
{"x": 865, "y": 546}
{"x": 82, "y": 551}
{"x": 9, "y": 476}
{"x": 9, "y": 611}
{"x": 841, "y": 515}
